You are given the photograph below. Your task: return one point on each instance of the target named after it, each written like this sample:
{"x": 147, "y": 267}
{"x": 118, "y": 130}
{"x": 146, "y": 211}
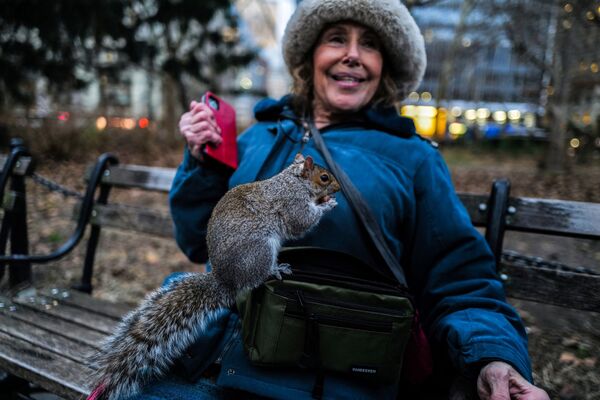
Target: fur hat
{"x": 389, "y": 19}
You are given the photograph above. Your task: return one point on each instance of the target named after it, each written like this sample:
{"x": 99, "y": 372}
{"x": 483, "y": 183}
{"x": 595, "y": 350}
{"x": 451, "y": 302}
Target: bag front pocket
{"x": 329, "y": 328}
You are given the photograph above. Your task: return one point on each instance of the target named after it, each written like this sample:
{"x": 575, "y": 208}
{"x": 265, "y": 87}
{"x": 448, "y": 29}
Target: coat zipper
{"x": 227, "y": 345}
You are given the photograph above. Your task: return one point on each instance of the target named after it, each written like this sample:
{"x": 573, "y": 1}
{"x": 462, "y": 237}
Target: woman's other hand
{"x": 499, "y": 381}
{"x": 199, "y": 127}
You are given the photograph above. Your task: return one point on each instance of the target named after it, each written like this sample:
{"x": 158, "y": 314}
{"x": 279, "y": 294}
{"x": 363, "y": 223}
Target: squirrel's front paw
{"x": 329, "y": 204}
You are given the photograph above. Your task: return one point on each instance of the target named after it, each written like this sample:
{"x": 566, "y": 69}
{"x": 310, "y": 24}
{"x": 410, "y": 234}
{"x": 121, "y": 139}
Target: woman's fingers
{"x": 199, "y": 127}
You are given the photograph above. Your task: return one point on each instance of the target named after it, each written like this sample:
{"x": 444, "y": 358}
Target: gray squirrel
{"x": 245, "y": 232}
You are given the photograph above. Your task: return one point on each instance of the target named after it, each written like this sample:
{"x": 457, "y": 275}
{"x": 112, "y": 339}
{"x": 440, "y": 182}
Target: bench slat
{"x": 76, "y": 315}
{"x": 472, "y": 203}
{"x": 45, "y": 339}
{"x": 565, "y": 289}
{"x": 134, "y": 218}
{"x": 139, "y": 176}
{"x": 57, "y": 326}
{"x": 550, "y": 217}
{"x": 86, "y": 302}
{"x": 53, "y": 372}
{"x": 555, "y": 217}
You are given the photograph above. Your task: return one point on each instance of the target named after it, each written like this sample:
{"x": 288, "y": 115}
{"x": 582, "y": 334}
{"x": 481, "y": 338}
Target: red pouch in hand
{"x": 226, "y": 152}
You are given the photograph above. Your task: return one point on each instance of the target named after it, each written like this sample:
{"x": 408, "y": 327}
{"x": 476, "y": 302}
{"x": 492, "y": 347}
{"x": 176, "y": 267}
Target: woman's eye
{"x": 336, "y": 39}
{"x": 371, "y": 44}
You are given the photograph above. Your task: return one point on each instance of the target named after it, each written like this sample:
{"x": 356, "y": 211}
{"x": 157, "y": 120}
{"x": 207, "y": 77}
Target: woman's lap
{"x": 177, "y": 388}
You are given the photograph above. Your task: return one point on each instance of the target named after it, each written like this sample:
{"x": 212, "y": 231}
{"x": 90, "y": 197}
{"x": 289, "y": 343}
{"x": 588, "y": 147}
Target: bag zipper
{"x": 348, "y": 282}
{"x": 291, "y": 295}
{"x": 370, "y": 325}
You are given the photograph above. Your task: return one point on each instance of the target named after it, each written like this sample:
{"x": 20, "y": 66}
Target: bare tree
{"x": 555, "y": 36}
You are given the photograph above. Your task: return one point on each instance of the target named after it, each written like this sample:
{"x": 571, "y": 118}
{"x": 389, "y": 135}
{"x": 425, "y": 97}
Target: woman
{"x": 350, "y": 61}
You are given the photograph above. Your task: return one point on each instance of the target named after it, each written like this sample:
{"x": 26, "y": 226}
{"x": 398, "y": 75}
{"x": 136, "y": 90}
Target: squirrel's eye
{"x": 325, "y": 178}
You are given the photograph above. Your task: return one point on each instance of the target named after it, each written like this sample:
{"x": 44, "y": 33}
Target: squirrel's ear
{"x": 308, "y": 163}
{"x": 299, "y": 159}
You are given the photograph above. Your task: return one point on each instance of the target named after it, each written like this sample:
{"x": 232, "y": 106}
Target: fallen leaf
{"x": 568, "y": 358}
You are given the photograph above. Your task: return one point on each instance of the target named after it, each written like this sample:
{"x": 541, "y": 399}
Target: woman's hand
{"x": 499, "y": 381}
{"x": 198, "y": 127}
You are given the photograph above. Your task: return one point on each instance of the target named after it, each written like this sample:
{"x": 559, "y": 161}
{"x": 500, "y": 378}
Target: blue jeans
{"x": 175, "y": 388}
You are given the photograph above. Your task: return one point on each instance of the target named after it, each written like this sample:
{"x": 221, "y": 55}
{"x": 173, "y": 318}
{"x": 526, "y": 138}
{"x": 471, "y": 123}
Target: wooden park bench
{"x": 45, "y": 335}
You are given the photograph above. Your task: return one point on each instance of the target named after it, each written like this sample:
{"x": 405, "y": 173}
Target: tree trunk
{"x": 558, "y": 105}
{"x": 170, "y": 107}
{"x": 447, "y": 68}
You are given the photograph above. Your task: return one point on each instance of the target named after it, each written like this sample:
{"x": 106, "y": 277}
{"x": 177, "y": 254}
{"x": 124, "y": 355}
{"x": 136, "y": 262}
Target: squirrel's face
{"x": 322, "y": 182}
{"x": 325, "y": 183}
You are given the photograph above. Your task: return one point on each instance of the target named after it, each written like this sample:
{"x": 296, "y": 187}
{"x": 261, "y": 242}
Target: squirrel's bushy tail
{"x": 151, "y": 337}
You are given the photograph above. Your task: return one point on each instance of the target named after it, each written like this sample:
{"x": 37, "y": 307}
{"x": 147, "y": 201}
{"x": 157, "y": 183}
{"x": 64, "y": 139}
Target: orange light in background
{"x": 424, "y": 118}
{"x": 101, "y": 123}
{"x": 63, "y": 116}
{"x": 442, "y": 119}
{"x": 128, "y": 123}
{"x": 143, "y": 123}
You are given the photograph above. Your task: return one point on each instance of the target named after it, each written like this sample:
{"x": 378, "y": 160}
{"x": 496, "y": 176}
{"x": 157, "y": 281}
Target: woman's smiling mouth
{"x": 347, "y": 78}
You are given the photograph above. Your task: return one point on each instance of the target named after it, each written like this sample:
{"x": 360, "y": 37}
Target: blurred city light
{"x": 409, "y": 111}
{"x": 63, "y": 116}
{"x": 426, "y": 111}
{"x": 568, "y": 7}
{"x": 425, "y": 118}
{"x": 483, "y": 113}
{"x": 143, "y": 122}
{"x": 101, "y": 123}
{"x": 574, "y": 143}
{"x": 246, "y": 83}
{"x": 457, "y": 129}
{"x": 529, "y": 120}
{"x": 514, "y": 115}
{"x": 470, "y": 114}
{"x": 499, "y": 116}
{"x": 413, "y": 96}
{"x": 426, "y": 96}
{"x": 456, "y": 112}
{"x": 128, "y": 123}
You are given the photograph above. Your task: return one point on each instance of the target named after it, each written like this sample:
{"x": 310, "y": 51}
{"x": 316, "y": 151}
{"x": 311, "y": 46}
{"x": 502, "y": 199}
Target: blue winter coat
{"x": 449, "y": 267}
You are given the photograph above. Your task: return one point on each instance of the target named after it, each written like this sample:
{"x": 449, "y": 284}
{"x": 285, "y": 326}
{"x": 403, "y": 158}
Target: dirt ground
{"x": 564, "y": 344}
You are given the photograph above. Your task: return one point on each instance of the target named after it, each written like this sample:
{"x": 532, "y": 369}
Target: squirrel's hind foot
{"x": 283, "y": 268}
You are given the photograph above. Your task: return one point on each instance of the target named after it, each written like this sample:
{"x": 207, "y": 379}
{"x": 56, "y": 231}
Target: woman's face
{"x": 347, "y": 65}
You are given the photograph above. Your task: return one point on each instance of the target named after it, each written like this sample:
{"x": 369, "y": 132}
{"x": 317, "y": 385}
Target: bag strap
{"x": 359, "y": 205}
